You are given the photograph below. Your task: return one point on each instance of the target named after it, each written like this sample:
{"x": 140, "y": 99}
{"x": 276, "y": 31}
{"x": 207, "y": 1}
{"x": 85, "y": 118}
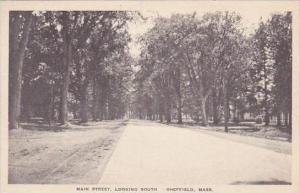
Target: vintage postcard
{"x": 149, "y": 96}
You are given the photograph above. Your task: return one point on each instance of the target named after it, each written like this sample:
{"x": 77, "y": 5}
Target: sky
{"x": 250, "y": 21}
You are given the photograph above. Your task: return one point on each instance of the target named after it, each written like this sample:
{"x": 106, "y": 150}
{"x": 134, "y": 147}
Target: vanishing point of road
{"x": 153, "y": 153}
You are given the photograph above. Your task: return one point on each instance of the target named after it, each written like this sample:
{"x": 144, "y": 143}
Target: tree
{"x": 281, "y": 50}
{"x": 109, "y": 40}
{"x": 211, "y": 52}
{"x": 69, "y": 56}
{"x": 272, "y": 70}
{"x": 194, "y": 56}
{"x": 68, "y": 22}
{"x": 20, "y": 25}
{"x": 263, "y": 67}
{"x": 78, "y": 30}
{"x": 42, "y": 70}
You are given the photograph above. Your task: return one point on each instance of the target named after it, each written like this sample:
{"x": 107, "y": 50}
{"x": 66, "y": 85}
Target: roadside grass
{"x": 271, "y": 137}
{"x": 244, "y": 129}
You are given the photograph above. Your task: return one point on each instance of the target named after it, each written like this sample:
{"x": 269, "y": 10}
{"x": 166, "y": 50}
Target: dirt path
{"x": 153, "y": 153}
{"x": 76, "y": 155}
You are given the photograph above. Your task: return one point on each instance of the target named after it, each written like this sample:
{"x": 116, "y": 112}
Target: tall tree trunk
{"x": 203, "y": 112}
{"x": 216, "y": 118}
{"x": 95, "y": 100}
{"x": 179, "y": 113}
{"x": 226, "y": 105}
{"x": 267, "y": 116}
{"x": 177, "y": 85}
{"x": 26, "y": 101}
{"x": 102, "y": 98}
{"x": 67, "y": 58}
{"x": 168, "y": 110}
{"x": 266, "y": 103}
{"x": 161, "y": 109}
{"x": 51, "y": 105}
{"x": 278, "y": 118}
{"x": 84, "y": 104}
{"x": 26, "y": 112}
{"x": 108, "y": 99}
{"x": 236, "y": 116}
{"x": 286, "y": 123}
{"x": 16, "y": 59}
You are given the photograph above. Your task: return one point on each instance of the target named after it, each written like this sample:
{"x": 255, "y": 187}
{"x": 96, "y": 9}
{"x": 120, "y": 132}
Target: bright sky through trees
{"x": 250, "y": 21}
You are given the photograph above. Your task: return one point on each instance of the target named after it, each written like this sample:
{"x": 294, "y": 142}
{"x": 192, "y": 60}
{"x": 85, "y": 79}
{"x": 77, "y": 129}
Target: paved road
{"x": 152, "y": 153}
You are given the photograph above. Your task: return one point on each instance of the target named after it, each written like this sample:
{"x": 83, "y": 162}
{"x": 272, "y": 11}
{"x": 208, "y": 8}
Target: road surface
{"x": 153, "y": 153}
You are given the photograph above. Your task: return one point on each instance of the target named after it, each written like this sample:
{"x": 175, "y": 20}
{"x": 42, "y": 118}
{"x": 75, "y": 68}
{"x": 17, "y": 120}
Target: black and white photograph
{"x": 129, "y": 100}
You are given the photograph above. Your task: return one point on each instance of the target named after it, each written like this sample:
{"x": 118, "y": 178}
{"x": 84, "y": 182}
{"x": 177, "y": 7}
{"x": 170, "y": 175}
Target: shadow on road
{"x": 272, "y": 182}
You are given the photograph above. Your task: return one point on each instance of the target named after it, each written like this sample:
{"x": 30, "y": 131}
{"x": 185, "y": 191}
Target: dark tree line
{"x": 272, "y": 68}
{"x": 206, "y": 68}
{"x": 68, "y": 63}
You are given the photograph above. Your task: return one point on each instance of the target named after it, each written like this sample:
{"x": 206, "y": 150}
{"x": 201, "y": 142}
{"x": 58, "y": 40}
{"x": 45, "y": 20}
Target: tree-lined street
{"x": 200, "y": 95}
